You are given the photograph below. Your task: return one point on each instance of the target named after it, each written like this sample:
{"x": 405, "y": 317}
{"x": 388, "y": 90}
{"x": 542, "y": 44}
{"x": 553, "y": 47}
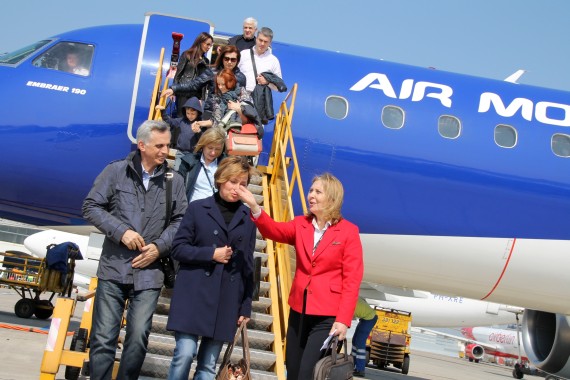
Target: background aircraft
{"x": 479, "y": 342}
{"x": 459, "y": 184}
{"x": 492, "y": 341}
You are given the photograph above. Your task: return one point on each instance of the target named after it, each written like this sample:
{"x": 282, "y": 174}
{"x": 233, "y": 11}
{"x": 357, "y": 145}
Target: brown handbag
{"x": 229, "y": 369}
{"x": 334, "y": 366}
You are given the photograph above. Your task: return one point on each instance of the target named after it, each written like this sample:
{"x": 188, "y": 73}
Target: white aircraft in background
{"x": 427, "y": 309}
{"x": 479, "y": 342}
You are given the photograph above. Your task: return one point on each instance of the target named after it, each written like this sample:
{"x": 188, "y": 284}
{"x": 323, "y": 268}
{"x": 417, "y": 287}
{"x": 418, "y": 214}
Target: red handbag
{"x": 244, "y": 141}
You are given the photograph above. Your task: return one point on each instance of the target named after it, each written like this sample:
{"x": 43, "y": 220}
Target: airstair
{"x": 274, "y": 189}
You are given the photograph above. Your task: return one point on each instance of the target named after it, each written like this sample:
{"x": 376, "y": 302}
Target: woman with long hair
{"x": 228, "y": 58}
{"x": 192, "y": 63}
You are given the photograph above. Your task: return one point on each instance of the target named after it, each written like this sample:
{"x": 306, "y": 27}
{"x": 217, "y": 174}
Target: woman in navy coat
{"x": 214, "y": 285}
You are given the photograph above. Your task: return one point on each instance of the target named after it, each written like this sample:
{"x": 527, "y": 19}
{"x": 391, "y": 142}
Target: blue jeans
{"x": 359, "y": 342}
{"x": 108, "y": 310}
{"x": 186, "y": 348}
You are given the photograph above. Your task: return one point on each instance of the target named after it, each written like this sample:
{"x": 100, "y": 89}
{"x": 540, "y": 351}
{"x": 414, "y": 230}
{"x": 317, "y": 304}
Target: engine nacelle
{"x": 546, "y": 340}
{"x": 474, "y": 351}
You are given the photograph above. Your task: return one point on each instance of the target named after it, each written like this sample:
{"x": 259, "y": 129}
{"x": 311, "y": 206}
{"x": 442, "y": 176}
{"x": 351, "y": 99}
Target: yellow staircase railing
{"x": 280, "y": 178}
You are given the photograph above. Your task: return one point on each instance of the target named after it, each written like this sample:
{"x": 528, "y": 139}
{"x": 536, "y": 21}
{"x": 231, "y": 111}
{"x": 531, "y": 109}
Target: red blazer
{"x": 332, "y": 275}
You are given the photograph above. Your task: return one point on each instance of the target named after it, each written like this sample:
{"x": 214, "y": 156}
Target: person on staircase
{"x": 214, "y": 286}
{"x": 328, "y": 271}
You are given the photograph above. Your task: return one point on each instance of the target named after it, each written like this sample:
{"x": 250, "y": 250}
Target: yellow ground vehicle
{"x": 389, "y": 340}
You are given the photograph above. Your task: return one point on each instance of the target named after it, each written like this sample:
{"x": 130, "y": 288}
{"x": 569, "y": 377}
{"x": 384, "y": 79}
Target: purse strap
{"x": 245, "y": 345}
{"x": 168, "y": 176}
{"x": 333, "y": 344}
{"x": 253, "y": 63}
{"x": 241, "y": 331}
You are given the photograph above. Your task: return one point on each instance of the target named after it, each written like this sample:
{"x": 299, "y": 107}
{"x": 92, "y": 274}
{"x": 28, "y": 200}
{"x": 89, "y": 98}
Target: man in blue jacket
{"x": 127, "y": 203}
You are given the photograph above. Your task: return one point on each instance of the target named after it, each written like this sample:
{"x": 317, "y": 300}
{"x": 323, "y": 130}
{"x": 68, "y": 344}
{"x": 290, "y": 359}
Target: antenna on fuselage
{"x": 513, "y": 78}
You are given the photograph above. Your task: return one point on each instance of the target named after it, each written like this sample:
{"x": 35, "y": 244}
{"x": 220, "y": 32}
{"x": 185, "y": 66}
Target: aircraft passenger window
{"x": 336, "y": 107}
{"x": 70, "y": 57}
{"x": 23, "y": 53}
{"x": 561, "y": 145}
{"x": 505, "y": 136}
{"x": 392, "y": 117}
{"x": 449, "y": 126}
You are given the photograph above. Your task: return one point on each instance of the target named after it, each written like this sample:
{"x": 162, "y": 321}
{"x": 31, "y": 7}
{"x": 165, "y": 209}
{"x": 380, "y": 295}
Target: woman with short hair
{"x": 214, "y": 285}
{"x": 198, "y": 168}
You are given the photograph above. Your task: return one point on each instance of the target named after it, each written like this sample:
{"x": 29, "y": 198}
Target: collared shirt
{"x": 264, "y": 62}
{"x": 204, "y": 186}
{"x": 146, "y": 176}
{"x": 318, "y": 233}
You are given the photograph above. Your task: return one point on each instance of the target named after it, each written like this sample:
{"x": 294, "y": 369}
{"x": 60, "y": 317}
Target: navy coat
{"x": 208, "y": 296}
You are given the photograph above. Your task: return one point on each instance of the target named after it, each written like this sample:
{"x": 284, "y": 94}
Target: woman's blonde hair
{"x": 334, "y": 193}
{"x": 230, "y": 167}
{"x": 212, "y": 135}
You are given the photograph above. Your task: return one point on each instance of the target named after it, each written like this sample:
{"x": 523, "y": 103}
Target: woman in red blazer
{"x": 328, "y": 272}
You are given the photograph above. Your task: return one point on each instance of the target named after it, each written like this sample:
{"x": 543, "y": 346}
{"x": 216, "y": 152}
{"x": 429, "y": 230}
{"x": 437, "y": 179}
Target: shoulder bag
{"x": 231, "y": 369}
{"x": 334, "y": 366}
{"x": 166, "y": 263}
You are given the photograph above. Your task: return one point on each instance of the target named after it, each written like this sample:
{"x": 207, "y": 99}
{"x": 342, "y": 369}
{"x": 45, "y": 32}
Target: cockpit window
{"x": 70, "y": 57}
{"x": 23, "y": 53}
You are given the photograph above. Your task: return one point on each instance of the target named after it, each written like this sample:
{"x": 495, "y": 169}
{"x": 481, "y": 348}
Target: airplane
{"x": 459, "y": 184}
{"x": 482, "y": 341}
{"x": 428, "y": 310}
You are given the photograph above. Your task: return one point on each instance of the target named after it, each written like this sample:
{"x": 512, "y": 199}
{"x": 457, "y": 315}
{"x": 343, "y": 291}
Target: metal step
{"x": 156, "y": 367}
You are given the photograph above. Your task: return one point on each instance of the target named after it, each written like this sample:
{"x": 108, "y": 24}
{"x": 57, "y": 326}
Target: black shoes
{"x": 358, "y": 374}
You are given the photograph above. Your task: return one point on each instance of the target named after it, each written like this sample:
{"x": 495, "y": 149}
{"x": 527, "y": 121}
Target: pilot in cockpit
{"x": 73, "y": 63}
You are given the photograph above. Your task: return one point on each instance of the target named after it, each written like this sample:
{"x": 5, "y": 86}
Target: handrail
{"x": 152, "y": 113}
{"x": 281, "y": 178}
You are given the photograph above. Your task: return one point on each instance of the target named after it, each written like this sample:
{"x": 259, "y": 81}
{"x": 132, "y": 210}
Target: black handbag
{"x": 334, "y": 366}
{"x": 167, "y": 264}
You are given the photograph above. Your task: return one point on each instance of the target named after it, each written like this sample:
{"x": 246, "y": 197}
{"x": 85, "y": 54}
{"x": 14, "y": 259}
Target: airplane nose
{"x": 37, "y": 243}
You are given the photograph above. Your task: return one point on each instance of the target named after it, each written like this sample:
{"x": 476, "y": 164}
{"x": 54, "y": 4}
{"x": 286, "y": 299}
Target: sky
{"x": 485, "y": 38}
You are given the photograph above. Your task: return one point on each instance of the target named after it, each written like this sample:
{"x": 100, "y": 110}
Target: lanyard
{"x": 316, "y": 245}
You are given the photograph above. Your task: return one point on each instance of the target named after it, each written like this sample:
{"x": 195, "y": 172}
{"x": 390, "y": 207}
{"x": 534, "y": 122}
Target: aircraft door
{"x": 157, "y": 34}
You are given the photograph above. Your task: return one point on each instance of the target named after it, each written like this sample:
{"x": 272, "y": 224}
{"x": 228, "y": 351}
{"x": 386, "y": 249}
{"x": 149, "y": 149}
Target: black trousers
{"x": 305, "y": 337}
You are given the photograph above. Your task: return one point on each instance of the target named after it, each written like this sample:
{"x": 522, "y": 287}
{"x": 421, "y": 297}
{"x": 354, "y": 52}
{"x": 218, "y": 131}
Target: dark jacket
{"x": 186, "y": 72}
{"x": 209, "y": 297}
{"x": 182, "y": 136}
{"x": 118, "y": 202}
{"x": 190, "y": 168}
{"x": 241, "y": 43}
{"x": 263, "y": 99}
{"x": 206, "y": 80}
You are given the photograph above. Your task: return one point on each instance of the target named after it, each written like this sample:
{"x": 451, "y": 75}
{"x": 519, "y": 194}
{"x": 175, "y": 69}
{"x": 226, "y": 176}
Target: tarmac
{"x": 21, "y": 352}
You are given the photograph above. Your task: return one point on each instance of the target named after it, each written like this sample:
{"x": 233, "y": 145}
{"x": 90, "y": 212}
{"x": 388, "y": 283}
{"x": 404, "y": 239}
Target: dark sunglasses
{"x": 228, "y": 59}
